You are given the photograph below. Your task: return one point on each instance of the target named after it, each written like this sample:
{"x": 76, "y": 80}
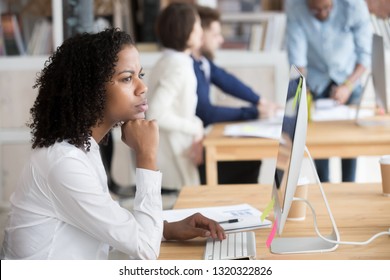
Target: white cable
{"x": 334, "y": 241}
{"x": 315, "y": 218}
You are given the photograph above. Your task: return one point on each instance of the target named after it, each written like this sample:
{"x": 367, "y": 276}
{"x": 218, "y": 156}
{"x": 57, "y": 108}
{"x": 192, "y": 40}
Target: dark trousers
{"x": 348, "y": 169}
{"x": 348, "y": 166}
{"x": 234, "y": 172}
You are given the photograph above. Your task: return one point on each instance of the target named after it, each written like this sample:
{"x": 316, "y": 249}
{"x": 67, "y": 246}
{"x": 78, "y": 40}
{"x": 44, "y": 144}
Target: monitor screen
{"x": 291, "y": 147}
{"x": 379, "y": 73}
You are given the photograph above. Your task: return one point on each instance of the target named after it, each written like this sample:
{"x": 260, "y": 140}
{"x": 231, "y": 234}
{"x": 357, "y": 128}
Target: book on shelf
{"x": 385, "y": 32}
{"x": 272, "y": 5}
{"x": 2, "y": 47}
{"x": 374, "y": 24}
{"x": 41, "y": 42}
{"x": 11, "y": 35}
{"x": 263, "y": 31}
{"x": 256, "y": 37}
{"x": 275, "y": 32}
{"x": 244, "y": 6}
{"x": 236, "y": 35}
{"x": 228, "y": 6}
{"x": 382, "y": 28}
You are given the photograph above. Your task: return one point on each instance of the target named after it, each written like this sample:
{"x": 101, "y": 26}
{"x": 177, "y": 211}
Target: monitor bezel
{"x": 378, "y": 73}
{"x": 297, "y": 153}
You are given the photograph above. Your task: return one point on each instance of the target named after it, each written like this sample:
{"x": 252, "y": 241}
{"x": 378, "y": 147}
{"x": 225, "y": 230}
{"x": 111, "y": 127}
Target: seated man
{"x": 208, "y": 73}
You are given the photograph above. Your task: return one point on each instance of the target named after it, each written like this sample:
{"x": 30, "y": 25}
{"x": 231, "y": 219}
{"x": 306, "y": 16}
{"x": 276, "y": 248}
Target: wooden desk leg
{"x": 211, "y": 167}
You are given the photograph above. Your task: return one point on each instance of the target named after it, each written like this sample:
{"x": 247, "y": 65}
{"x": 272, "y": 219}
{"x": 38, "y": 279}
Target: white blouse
{"x": 62, "y": 209}
{"x": 172, "y": 102}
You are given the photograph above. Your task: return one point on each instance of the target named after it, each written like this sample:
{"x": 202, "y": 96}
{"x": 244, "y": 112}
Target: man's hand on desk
{"x": 193, "y": 226}
{"x": 267, "y": 109}
{"x": 341, "y": 93}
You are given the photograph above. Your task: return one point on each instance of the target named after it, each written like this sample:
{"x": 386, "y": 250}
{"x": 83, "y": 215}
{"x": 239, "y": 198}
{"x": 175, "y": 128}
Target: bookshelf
{"x": 35, "y": 29}
{"x": 255, "y": 25}
{"x": 259, "y": 31}
{"x": 246, "y": 5}
{"x": 39, "y": 26}
{"x": 17, "y": 75}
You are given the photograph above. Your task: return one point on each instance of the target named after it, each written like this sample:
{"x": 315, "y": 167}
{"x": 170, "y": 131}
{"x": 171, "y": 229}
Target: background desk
{"x": 360, "y": 211}
{"x": 324, "y": 140}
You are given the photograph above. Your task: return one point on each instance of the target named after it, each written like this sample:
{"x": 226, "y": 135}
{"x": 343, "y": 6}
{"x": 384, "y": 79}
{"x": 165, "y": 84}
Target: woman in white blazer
{"x": 172, "y": 96}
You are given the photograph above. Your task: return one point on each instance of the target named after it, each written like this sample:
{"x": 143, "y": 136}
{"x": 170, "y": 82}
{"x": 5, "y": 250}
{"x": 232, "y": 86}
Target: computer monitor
{"x": 379, "y": 73}
{"x": 291, "y": 147}
{"x": 292, "y": 144}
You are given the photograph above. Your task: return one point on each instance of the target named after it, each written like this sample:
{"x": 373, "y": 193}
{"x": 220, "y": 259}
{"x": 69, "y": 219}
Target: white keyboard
{"x": 237, "y": 245}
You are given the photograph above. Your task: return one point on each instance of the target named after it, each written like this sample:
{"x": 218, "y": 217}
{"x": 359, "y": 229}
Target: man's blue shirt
{"x": 329, "y": 50}
{"x": 229, "y": 84}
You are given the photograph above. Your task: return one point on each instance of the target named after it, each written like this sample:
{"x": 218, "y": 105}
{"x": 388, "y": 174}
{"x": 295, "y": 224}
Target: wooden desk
{"x": 324, "y": 140}
{"x": 360, "y": 211}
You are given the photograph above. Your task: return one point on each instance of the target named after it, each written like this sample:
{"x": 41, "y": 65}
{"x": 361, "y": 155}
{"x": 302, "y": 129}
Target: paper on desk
{"x": 338, "y": 113}
{"x": 249, "y": 217}
{"x": 259, "y": 128}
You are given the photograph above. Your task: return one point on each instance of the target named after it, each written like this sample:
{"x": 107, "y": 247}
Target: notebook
{"x": 247, "y": 216}
{"x": 239, "y": 245}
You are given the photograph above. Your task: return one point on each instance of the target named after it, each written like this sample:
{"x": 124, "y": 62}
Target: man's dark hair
{"x": 207, "y": 15}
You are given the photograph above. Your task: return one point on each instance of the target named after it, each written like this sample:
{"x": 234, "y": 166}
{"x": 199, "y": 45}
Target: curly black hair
{"x": 72, "y": 96}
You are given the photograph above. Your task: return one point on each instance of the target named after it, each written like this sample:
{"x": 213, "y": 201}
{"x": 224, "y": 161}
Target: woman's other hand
{"x": 193, "y": 226}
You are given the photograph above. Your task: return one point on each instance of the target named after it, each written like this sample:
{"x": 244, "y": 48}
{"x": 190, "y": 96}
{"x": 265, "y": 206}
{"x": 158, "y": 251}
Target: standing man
{"x": 330, "y": 42}
{"x": 207, "y": 73}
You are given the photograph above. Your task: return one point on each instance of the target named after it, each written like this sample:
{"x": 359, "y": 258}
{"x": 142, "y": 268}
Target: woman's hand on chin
{"x": 142, "y": 136}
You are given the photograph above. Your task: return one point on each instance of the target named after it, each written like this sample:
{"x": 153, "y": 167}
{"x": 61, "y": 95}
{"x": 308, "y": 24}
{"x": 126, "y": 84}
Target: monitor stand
{"x": 299, "y": 245}
{"x": 370, "y": 122}
{"x": 373, "y": 122}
